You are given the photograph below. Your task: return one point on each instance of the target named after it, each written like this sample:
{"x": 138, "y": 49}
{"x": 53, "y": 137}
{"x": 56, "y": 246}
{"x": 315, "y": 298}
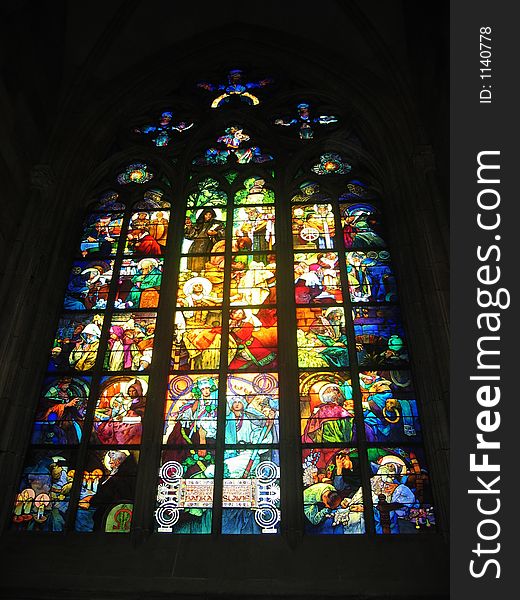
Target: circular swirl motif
{"x": 167, "y": 514}
{"x": 266, "y": 471}
{"x": 171, "y": 471}
{"x": 180, "y": 385}
{"x": 265, "y": 383}
{"x": 266, "y": 515}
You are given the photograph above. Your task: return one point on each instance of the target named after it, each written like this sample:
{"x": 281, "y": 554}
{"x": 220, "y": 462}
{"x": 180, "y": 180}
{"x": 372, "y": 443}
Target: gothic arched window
{"x": 230, "y": 346}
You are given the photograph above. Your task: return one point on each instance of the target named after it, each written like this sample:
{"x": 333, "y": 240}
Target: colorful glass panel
{"x": 89, "y": 285}
{"x": 370, "y": 278}
{"x": 108, "y": 201}
{"x": 361, "y": 223}
{"x": 185, "y": 491}
{"x": 310, "y": 192}
{"x": 322, "y": 337}
{"x": 326, "y": 407}
{"x": 43, "y": 498}
{"x": 400, "y": 488}
{"x": 230, "y": 144}
{"x": 252, "y": 282}
{"x": 234, "y": 87}
{"x": 251, "y": 491}
{"x": 191, "y": 410}
{"x": 208, "y": 194}
{"x": 313, "y": 227}
{"x": 61, "y": 411}
{"x": 108, "y": 483}
{"x": 231, "y": 176}
{"x": 152, "y": 200}
{"x": 254, "y": 229}
{"x": 202, "y": 287}
{"x": 317, "y": 278}
{"x": 76, "y": 342}
{"x": 197, "y": 340}
{"x": 332, "y": 163}
{"x": 119, "y": 410}
{"x": 380, "y": 338}
{"x": 147, "y": 233}
{"x": 135, "y": 173}
{"x": 139, "y": 283}
{"x": 130, "y": 343}
{"x": 204, "y": 233}
{"x": 356, "y": 191}
{"x": 332, "y": 495}
{"x": 161, "y": 133}
{"x": 254, "y": 192}
{"x": 389, "y": 406}
{"x": 305, "y": 121}
{"x": 253, "y": 344}
{"x": 252, "y": 409}
{"x": 100, "y": 234}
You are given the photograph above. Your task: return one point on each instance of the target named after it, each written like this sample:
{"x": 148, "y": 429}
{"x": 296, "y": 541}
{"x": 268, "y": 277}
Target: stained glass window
{"x": 235, "y": 87}
{"x": 221, "y": 430}
{"x": 355, "y": 386}
{"x": 226, "y": 331}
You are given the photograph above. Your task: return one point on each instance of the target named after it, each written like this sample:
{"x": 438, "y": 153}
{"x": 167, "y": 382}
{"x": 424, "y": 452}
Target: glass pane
{"x": 108, "y": 201}
{"x": 253, "y": 229}
{"x": 135, "y": 173}
{"x": 252, "y": 345}
{"x": 310, "y": 192}
{"x": 361, "y": 224}
{"x": 380, "y": 338}
{"x": 389, "y": 406}
{"x": 76, "y": 342}
{"x": 203, "y": 287}
{"x": 313, "y": 227}
{"x": 130, "y": 343}
{"x": 107, "y": 491}
{"x": 326, "y": 407}
{"x": 119, "y": 410}
{"x": 332, "y": 163}
{"x": 197, "y": 340}
{"x": 253, "y": 282}
{"x": 152, "y": 200}
{"x": 139, "y": 283}
{"x": 208, "y": 193}
{"x": 332, "y": 495}
{"x": 147, "y": 233}
{"x": 44, "y": 491}
{"x": 88, "y": 285}
{"x": 185, "y": 492}
{"x": 251, "y": 494}
{"x": 190, "y": 411}
{"x": 254, "y": 192}
{"x": 204, "y": 233}
{"x": 370, "y": 278}
{"x": 61, "y": 411}
{"x": 321, "y": 336}
{"x": 100, "y": 234}
{"x": 252, "y": 409}
{"x": 401, "y": 494}
{"x": 316, "y": 278}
